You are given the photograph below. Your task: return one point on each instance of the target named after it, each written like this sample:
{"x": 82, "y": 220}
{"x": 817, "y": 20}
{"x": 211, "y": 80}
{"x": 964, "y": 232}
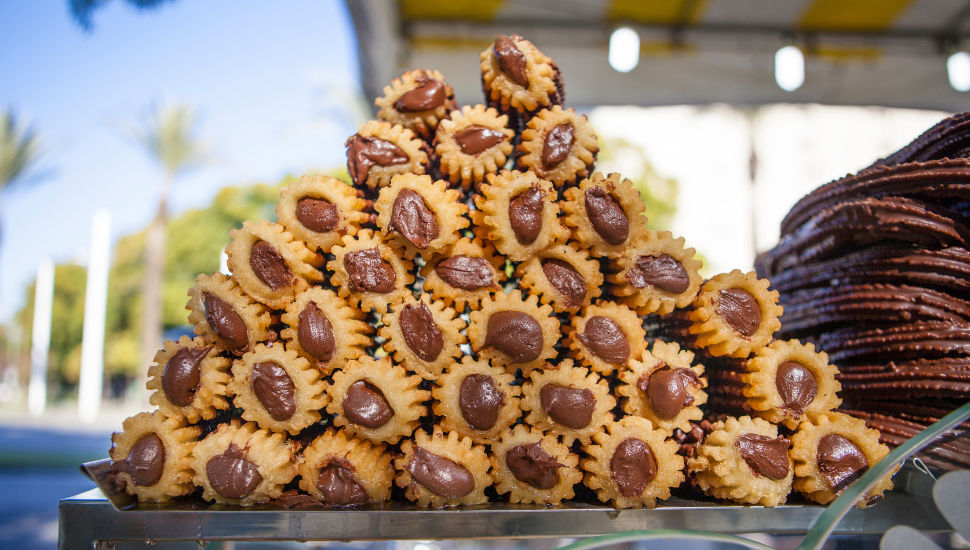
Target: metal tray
{"x": 102, "y": 515}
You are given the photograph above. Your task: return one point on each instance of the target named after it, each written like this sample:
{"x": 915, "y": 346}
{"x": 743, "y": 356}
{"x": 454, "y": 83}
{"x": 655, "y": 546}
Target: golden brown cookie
{"x": 517, "y": 76}
{"x": 664, "y": 387}
{"x": 744, "y": 460}
{"x": 606, "y": 337}
{"x": 735, "y": 314}
{"x": 420, "y": 100}
{"x": 277, "y": 389}
{"x": 475, "y": 142}
{"x": 423, "y": 335}
{"x": 381, "y": 150}
{"x": 376, "y": 399}
{"x": 656, "y": 274}
{"x": 225, "y": 316}
{"x": 513, "y": 331}
{"x": 370, "y": 274}
{"x": 269, "y": 264}
{"x": 419, "y": 216}
{"x": 533, "y": 467}
{"x": 320, "y": 210}
{"x": 325, "y": 330}
{"x": 559, "y": 146}
{"x": 152, "y": 456}
{"x": 476, "y": 400}
{"x": 567, "y": 401}
{"x": 632, "y": 464}
{"x": 788, "y": 381}
{"x": 563, "y": 276}
{"x": 189, "y": 379}
{"x": 443, "y": 470}
{"x": 465, "y": 274}
{"x": 339, "y": 470}
{"x": 241, "y": 464}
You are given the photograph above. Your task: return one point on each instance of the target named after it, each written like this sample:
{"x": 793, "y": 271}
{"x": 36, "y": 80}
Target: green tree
{"x": 168, "y": 134}
{"x": 82, "y": 10}
{"x": 20, "y": 149}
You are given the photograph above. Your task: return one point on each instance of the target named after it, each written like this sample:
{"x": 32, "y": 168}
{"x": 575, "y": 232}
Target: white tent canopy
{"x": 860, "y": 52}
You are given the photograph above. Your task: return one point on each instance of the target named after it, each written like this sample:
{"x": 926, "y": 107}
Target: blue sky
{"x": 274, "y": 83}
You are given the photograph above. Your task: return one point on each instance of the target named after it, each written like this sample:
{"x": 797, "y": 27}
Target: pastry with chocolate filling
{"x": 606, "y": 337}
{"x": 152, "y": 456}
{"x": 370, "y": 274}
{"x": 833, "y": 450}
{"x": 443, "y": 469}
{"x": 518, "y": 213}
{"x": 533, "y": 467}
{"x": 788, "y": 381}
{"x": 339, "y": 470}
{"x": 632, "y": 464}
{"x": 189, "y": 379}
{"x": 567, "y": 401}
{"x": 562, "y": 275}
{"x": 476, "y": 141}
{"x": 513, "y": 331}
{"x": 423, "y": 335}
{"x": 559, "y": 146}
{"x": 320, "y": 210}
{"x": 735, "y": 314}
{"x": 744, "y": 460}
{"x": 517, "y": 76}
{"x": 277, "y": 389}
{"x": 420, "y": 100}
{"x": 605, "y": 215}
{"x": 467, "y": 273}
{"x": 376, "y": 399}
{"x": 381, "y": 150}
{"x": 656, "y": 274}
{"x": 664, "y": 387}
{"x": 226, "y": 316}
{"x": 323, "y": 329}
{"x": 476, "y": 400}
{"x": 419, "y": 216}
{"x": 242, "y": 464}
{"x": 269, "y": 264}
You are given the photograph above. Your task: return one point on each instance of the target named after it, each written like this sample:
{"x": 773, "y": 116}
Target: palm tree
{"x": 168, "y": 134}
{"x": 20, "y": 148}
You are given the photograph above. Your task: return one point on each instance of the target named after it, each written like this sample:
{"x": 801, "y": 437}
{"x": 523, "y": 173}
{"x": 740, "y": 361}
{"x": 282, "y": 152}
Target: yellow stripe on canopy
{"x": 658, "y": 12}
{"x": 852, "y": 15}
{"x": 472, "y": 10}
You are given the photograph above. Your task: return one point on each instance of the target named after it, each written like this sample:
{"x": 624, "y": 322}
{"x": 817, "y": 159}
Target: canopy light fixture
{"x": 789, "y": 68}
{"x": 958, "y": 71}
{"x": 624, "y": 49}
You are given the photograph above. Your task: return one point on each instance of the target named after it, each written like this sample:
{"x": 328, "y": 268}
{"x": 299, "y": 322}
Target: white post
{"x": 90, "y": 388}
{"x": 40, "y": 338}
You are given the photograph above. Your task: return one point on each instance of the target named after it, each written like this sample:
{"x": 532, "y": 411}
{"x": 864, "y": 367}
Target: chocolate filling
{"x": 368, "y": 272}
{"x": 511, "y": 60}
{"x": 515, "y": 334}
{"x": 420, "y": 331}
{"x": 666, "y": 390}
{"x": 663, "y": 272}
{"x": 317, "y": 214}
{"x": 315, "y": 333}
{"x": 740, "y": 310}
{"x": 339, "y": 485}
{"x": 633, "y": 467}
{"x": 531, "y": 464}
{"x": 607, "y": 216}
{"x": 603, "y": 337}
{"x": 365, "y": 405}
{"x": 840, "y": 461}
{"x": 566, "y": 280}
{"x": 465, "y": 272}
{"x": 429, "y": 94}
{"x": 181, "y": 377}
{"x": 411, "y": 217}
{"x": 525, "y": 215}
{"x": 231, "y": 474}
{"x": 274, "y": 389}
{"x": 766, "y": 456}
{"x": 480, "y": 401}
{"x": 796, "y": 386}
{"x": 366, "y": 152}
{"x": 440, "y": 475}
{"x": 226, "y": 323}
{"x": 571, "y": 407}
{"x": 475, "y": 139}
{"x": 146, "y": 461}
{"x": 269, "y": 266}
{"x": 556, "y": 147}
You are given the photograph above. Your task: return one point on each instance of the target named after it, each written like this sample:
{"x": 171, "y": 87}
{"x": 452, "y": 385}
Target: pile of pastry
{"x": 465, "y": 323}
